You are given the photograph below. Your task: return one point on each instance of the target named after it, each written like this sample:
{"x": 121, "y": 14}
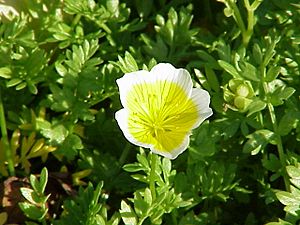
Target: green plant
{"x": 35, "y": 207}
{"x": 88, "y": 207}
{"x": 59, "y": 62}
{"x": 159, "y": 197}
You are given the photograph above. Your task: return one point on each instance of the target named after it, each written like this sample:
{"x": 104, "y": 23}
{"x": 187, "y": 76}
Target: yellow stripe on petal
{"x": 161, "y": 114}
{"x": 161, "y": 107}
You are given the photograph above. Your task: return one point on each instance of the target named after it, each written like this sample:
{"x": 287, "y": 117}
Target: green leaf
{"x": 127, "y": 214}
{"x": 5, "y": 72}
{"x": 289, "y": 121}
{"x": 258, "y": 140}
{"x": 212, "y": 79}
{"x": 209, "y": 60}
{"x": 204, "y": 149}
{"x": 296, "y": 182}
{"x": 293, "y": 172}
{"x": 202, "y": 79}
{"x": 272, "y": 73}
{"x": 143, "y": 161}
{"x": 256, "y": 106}
{"x": 30, "y": 195}
{"x": 139, "y": 177}
{"x": 280, "y": 222}
{"x": 244, "y": 128}
{"x": 144, "y": 8}
{"x": 249, "y": 71}
{"x": 13, "y": 82}
{"x": 224, "y": 50}
{"x": 115, "y": 219}
{"x": 286, "y": 93}
{"x": 21, "y": 86}
{"x": 257, "y": 53}
{"x": 160, "y": 20}
{"x": 62, "y": 71}
{"x": 148, "y": 196}
{"x": 166, "y": 165}
{"x": 43, "y": 180}
{"x": 70, "y": 146}
{"x": 85, "y": 208}
{"x": 287, "y": 198}
{"x": 140, "y": 206}
{"x": 32, "y": 211}
{"x": 32, "y": 87}
{"x": 229, "y": 68}
{"x": 35, "y": 183}
{"x": 56, "y": 134}
{"x": 113, "y": 6}
{"x": 134, "y": 167}
{"x": 128, "y": 64}
{"x": 202, "y": 146}
{"x": 272, "y": 163}
{"x": 280, "y": 94}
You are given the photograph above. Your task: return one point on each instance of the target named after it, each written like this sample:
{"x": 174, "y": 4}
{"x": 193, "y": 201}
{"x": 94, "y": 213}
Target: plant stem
{"x": 237, "y": 16}
{"x": 277, "y": 136}
{"x": 246, "y": 32}
{"x": 7, "y": 149}
{"x": 279, "y": 146}
{"x": 124, "y": 154}
{"x": 152, "y": 176}
{"x": 251, "y": 19}
{"x": 247, "y": 35}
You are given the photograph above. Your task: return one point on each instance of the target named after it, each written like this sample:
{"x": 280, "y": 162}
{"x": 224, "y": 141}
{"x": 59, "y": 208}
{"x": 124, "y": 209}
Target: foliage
{"x": 35, "y": 207}
{"x": 87, "y": 208}
{"x": 59, "y": 61}
{"x": 160, "y": 199}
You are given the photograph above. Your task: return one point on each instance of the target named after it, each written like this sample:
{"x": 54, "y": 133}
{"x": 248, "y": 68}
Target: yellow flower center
{"x": 161, "y": 114}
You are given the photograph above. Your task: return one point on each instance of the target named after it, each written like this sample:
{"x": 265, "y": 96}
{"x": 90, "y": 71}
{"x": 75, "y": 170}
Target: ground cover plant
{"x": 65, "y": 160}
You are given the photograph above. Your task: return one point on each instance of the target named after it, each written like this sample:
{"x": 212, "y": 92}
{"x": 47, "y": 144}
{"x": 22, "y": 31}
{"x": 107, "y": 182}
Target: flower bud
{"x": 238, "y": 94}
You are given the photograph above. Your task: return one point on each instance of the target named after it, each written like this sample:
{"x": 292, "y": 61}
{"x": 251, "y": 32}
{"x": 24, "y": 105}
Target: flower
{"x": 161, "y": 107}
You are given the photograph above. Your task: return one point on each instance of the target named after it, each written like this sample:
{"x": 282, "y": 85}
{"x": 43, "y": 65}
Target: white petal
{"x": 165, "y": 71}
{"x": 161, "y": 72}
{"x": 126, "y": 83}
{"x": 122, "y": 119}
{"x": 202, "y": 99}
{"x": 174, "y": 153}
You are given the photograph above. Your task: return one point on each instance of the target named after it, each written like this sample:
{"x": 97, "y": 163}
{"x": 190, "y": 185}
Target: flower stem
{"x": 280, "y": 149}
{"x": 279, "y": 146}
{"x": 237, "y": 16}
{"x": 152, "y": 176}
{"x": 7, "y": 149}
{"x": 124, "y": 154}
{"x": 251, "y": 19}
{"x": 246, "y": 32}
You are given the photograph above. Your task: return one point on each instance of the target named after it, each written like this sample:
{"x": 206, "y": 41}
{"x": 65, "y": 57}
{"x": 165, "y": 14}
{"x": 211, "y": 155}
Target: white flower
{"x": 161, "y": 107}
